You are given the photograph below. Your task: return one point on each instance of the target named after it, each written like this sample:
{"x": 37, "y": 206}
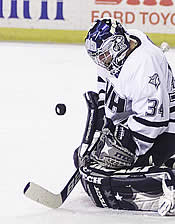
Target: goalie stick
{"x": 41, "y": 195}
{"x": 49, "y": 199}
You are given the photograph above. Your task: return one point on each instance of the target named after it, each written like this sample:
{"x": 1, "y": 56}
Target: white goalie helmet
{"x": 107, "y": 43}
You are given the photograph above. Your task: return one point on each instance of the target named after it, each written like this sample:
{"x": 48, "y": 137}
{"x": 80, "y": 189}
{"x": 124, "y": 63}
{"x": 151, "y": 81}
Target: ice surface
{"x": 36, "y": 144}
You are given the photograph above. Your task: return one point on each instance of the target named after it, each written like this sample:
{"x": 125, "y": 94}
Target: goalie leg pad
{"x": 127, "y": 190}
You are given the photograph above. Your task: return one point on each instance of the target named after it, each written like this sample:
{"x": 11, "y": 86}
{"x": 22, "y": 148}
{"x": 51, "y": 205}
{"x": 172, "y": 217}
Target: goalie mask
{"x": 107, "y": 43}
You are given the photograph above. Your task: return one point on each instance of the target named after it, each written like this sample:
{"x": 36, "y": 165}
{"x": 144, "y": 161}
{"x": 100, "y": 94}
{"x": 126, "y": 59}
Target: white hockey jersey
{"x": 144, "y": 93}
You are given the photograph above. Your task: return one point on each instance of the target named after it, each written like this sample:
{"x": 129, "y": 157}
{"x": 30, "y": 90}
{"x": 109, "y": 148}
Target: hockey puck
{"x": 60, "y": 109}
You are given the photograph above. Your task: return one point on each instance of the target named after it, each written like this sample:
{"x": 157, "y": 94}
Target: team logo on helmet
{"x": 119, "y": 44}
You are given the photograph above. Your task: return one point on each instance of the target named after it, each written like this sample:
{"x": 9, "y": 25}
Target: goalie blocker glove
{"x": 94, "y": 123}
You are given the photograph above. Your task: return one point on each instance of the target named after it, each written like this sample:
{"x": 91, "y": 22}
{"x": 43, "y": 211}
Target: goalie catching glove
{"x": 116, "y": 148}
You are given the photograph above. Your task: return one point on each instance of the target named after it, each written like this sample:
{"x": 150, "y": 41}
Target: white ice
{"x": 37, "y": 145}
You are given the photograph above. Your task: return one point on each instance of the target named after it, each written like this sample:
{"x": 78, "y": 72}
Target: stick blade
{"x": 42, "y": 196}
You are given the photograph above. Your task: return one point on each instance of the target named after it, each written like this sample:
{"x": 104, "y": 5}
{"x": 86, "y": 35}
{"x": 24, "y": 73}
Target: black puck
{"x": 60, "y": 109}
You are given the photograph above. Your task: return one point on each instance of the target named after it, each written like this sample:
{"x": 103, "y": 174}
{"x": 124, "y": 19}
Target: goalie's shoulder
{"x": 146, "y": 50}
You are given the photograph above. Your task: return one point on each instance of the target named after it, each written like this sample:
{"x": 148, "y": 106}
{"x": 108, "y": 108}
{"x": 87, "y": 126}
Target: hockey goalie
{"x": 131, "y": 123}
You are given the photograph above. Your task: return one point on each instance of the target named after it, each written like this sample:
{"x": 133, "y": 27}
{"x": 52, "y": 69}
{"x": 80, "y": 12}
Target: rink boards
{"x": 67, "y": 21}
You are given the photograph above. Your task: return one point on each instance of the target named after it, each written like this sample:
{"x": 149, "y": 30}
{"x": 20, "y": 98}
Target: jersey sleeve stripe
{"x": 142, "y": 137}
{"x": 151, "y": 123}
{"x": 172, "y": 109}
{"x": 172, "y": 120}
